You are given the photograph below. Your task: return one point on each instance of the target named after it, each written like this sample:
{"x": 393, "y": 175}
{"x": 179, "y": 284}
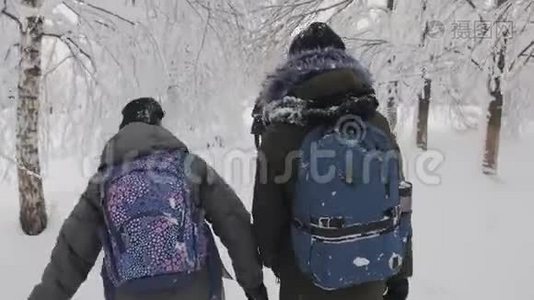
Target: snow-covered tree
{"x": 31, "y": 28}
{"x": 94, "y": 56}
{"x": 495, "y": 61}
{"x": 454, "y": 53}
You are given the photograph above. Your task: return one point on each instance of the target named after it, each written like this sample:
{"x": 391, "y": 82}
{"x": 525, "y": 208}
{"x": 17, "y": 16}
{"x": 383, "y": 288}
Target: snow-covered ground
{"x": 472, "y": 232}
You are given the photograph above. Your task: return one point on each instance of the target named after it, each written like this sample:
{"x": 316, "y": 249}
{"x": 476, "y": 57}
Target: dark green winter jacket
{"x": 79, "y": 245}
{"x": 285, "y": 132}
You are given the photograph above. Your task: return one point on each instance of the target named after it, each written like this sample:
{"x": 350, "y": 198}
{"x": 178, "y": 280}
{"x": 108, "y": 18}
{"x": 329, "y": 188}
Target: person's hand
{"x": 259, "y": 293}
{"x": 398, "y": 289}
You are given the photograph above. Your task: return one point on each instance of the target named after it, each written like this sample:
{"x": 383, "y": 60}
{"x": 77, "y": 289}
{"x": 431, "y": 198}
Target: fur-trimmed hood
{"x": 315, "y": 86}
{"x": 299, "y": 68}
{"x": 296, "y": 111}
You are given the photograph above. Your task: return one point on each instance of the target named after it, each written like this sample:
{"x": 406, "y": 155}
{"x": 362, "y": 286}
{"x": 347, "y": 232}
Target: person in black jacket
{"x": 79, "y": 242}
{"x": 318, "y": 69}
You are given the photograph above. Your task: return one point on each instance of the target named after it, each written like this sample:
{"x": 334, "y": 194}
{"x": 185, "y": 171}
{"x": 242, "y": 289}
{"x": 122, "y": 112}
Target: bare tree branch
{"x": 286, "y": 5}
{"x": 11, "y": 16}
{"x": 339, "y": 10}
{"x": 8, "y": 53}
{"x": 105, "y": 11}
{"x": 19, "y": 166}
{"x": 523, "y": 53}
{"x": 210, "y": 15}
{"x": 203, "y": 42}
{"x": 56, "y": 66}
{"x": 367, "y": 42}
{"x": 470, "y": 2}
{"x": 318, "y": 10}
{"x": 88, "y": 23}
{"x": 74, "y": 48}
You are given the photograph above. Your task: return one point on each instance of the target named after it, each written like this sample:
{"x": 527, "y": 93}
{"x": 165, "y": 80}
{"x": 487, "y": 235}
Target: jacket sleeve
{"x": 76, "y": 250}
{"x": 270, "y": 206}
{"x": 231, "y": 222}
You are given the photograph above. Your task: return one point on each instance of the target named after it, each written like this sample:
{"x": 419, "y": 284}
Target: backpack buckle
{"x": 331, "y": 223}
{"x": 324, "y": 222}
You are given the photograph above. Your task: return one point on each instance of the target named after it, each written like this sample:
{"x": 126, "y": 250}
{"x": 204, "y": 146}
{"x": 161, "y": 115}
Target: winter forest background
{"x": 454, "y": 78}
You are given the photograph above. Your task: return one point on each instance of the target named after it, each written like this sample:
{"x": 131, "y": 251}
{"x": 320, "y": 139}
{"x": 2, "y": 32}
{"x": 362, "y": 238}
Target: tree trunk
{"x": 493, "y": 134}
{"x": 392, "y": 104}
{"x": 493, "y": 131}
{"x": 33, "y": 217}
{"x": 495, "y": 108}
{"x": 392, "y": 86}
{"x": 422, "y": 116}
{"x": 424, "y": 97}
{"x": 391, "y": 4}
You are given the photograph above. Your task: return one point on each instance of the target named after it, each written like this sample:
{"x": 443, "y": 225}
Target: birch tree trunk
{"x": 33, "y": 217}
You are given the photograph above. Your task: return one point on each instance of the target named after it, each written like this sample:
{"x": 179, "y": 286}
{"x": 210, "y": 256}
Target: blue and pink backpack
{"x": 156, "y": 237}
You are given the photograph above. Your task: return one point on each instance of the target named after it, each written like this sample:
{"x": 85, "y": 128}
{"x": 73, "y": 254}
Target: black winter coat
{"x": 78, "y": 244}
{"x": 330, "y": 77}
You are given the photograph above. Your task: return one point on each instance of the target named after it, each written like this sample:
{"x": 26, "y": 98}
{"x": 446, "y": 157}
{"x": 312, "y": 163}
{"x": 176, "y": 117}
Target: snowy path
{"x": 473, "y": 238}
{"x": 472, "y": 232}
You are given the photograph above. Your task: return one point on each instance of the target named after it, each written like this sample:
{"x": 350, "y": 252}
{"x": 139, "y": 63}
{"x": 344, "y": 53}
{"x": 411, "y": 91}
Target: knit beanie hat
{"x": 144, "y": 110}
{"x": 316, "y": 36}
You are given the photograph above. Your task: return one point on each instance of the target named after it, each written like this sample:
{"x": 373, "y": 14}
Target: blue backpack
{"x": 348, "y": 227}
{"x": 155, "y": 238}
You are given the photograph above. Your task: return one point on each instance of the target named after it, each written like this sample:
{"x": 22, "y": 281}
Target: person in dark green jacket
{"x": 314, "y": 85}
{"x": 79, "y": 242}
